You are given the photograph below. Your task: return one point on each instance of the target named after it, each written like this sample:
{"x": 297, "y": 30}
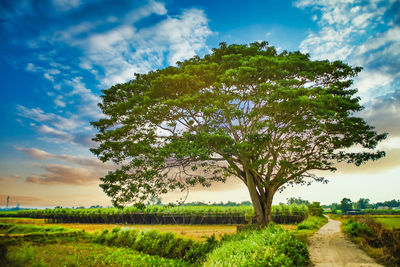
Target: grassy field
{"x": 81, "y": 254}
{"x": 391, "y": 222}
{"x": 195, "y": 232}
{"x": 33, "y": 242}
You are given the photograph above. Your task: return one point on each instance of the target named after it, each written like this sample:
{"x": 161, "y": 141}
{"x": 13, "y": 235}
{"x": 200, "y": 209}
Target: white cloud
{"x": 65, "y": 5}
{"x": 38, "y": 115}
{"x": 49, "y": 131}
{"x": 59, "y": 101}
{"x": 48, "y": 77}
{"x": 390, "y": 36}
{"x": 124, "y": 50}
{"x": 31, "y": 67}
{"x": 112, "y": 50}
{"x": 360, "y": 34}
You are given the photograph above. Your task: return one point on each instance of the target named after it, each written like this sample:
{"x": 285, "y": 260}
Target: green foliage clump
{"x": 154, "y": 242}
{"x": 315, "y": 209}
{"x": 312, "y": 223}
{"x": 356, "y": 229}
{"x": 271, "y": 246}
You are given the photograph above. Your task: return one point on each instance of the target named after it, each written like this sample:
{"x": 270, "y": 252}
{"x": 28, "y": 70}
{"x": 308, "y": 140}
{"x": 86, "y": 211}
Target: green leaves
{"x": 243, "y": 109}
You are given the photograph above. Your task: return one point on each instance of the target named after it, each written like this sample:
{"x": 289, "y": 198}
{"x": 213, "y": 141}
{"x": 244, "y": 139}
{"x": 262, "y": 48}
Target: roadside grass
{"x": 81, "y": 254}
{"x": 374, "y": 238}
{"x": 309, "y": 226}
{"x": 271, "y": 246}
{"x": 195, "y": 232}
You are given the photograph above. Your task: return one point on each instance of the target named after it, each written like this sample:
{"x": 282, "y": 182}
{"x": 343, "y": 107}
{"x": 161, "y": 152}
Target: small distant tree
{"x": 245, "y": 111}
{"x": 362, "y": 203}
{"x": 346, "y": 205}
{"x": 298, "y": 201}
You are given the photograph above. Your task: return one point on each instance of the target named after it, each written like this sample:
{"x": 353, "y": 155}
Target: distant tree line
{"x": 346, "y": 204}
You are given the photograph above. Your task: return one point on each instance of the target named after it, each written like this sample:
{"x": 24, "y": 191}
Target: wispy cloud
{"x": 61, "y": 174}
{"x": 5, "y": 179}
{"x": 65, "y": 5}
{"x": 384, "y": 113}
{"x": 86, "y": 170}
{"x": 79, "y": 160}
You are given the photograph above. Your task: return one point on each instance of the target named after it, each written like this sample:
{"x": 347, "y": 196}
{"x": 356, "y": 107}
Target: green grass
{"x": 272, "y": 246}
{"x": 81, "y": 254}
{"x": 23, "y": 229}
{"x": 309, "y": 226}
{"x": 392, "y": 222}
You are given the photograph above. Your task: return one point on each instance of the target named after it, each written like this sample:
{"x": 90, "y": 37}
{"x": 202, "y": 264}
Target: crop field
{"x": 195, "y": 232}
{"x": 284, "y": 214}
{"x": 389, "y": 221}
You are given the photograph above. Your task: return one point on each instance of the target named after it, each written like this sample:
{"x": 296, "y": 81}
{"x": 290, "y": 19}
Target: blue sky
{"x": 57, "y": 55}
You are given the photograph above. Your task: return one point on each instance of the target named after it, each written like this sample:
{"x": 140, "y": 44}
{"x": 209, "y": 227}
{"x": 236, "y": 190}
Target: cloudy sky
{"x": 56, "y": 56}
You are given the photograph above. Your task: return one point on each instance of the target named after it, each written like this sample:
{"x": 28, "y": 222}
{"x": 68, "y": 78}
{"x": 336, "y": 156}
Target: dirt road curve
{"x": 329, "y": 247}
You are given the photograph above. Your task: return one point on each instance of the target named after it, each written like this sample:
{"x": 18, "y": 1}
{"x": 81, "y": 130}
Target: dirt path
{"x": 329, "y": 247}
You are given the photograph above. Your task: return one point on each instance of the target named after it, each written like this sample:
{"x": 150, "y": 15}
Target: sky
{"x": 57, "y": 55}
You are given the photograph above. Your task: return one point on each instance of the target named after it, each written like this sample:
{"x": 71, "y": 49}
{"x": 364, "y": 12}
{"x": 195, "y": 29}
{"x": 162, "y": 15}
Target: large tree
{"x": 243, "y": 111}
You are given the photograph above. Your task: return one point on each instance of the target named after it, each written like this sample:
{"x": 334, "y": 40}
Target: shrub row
{"x": 268, "y": 247}
{"x": 154, "y": 242}
{"x": 383, "y": 243}
{"x": 164, "y": 214}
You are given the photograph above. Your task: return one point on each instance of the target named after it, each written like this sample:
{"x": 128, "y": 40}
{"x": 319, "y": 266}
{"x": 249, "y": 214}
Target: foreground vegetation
{"x": 377, "y": 240}
{"x": 80, "y": 253}
{"x": 268, "y": 247}
{"x": 32, "y": 245}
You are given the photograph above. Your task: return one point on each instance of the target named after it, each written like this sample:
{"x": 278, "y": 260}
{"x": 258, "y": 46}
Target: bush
{"x": 312, "y": 223}
{"x": 356, "y": 229}
{"x": 268, "y": 247}
{"x": 315, "y": 209}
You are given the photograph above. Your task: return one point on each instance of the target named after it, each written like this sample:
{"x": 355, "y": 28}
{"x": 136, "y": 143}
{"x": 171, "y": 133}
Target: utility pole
{"x": 8, "y": 198}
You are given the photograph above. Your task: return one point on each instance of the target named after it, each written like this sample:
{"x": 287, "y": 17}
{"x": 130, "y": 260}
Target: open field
{"x": 390, "y": 222}
{"x": 195, "y": 232}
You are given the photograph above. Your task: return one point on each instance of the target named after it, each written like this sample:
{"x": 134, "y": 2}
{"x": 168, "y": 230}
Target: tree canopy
{"x": 243, "y": 111}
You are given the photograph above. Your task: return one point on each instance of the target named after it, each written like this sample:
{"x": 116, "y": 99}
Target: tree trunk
{"x": 268, "y": 205}
{"x": 262, "y": 204}
{"x": 256, "y": 200}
